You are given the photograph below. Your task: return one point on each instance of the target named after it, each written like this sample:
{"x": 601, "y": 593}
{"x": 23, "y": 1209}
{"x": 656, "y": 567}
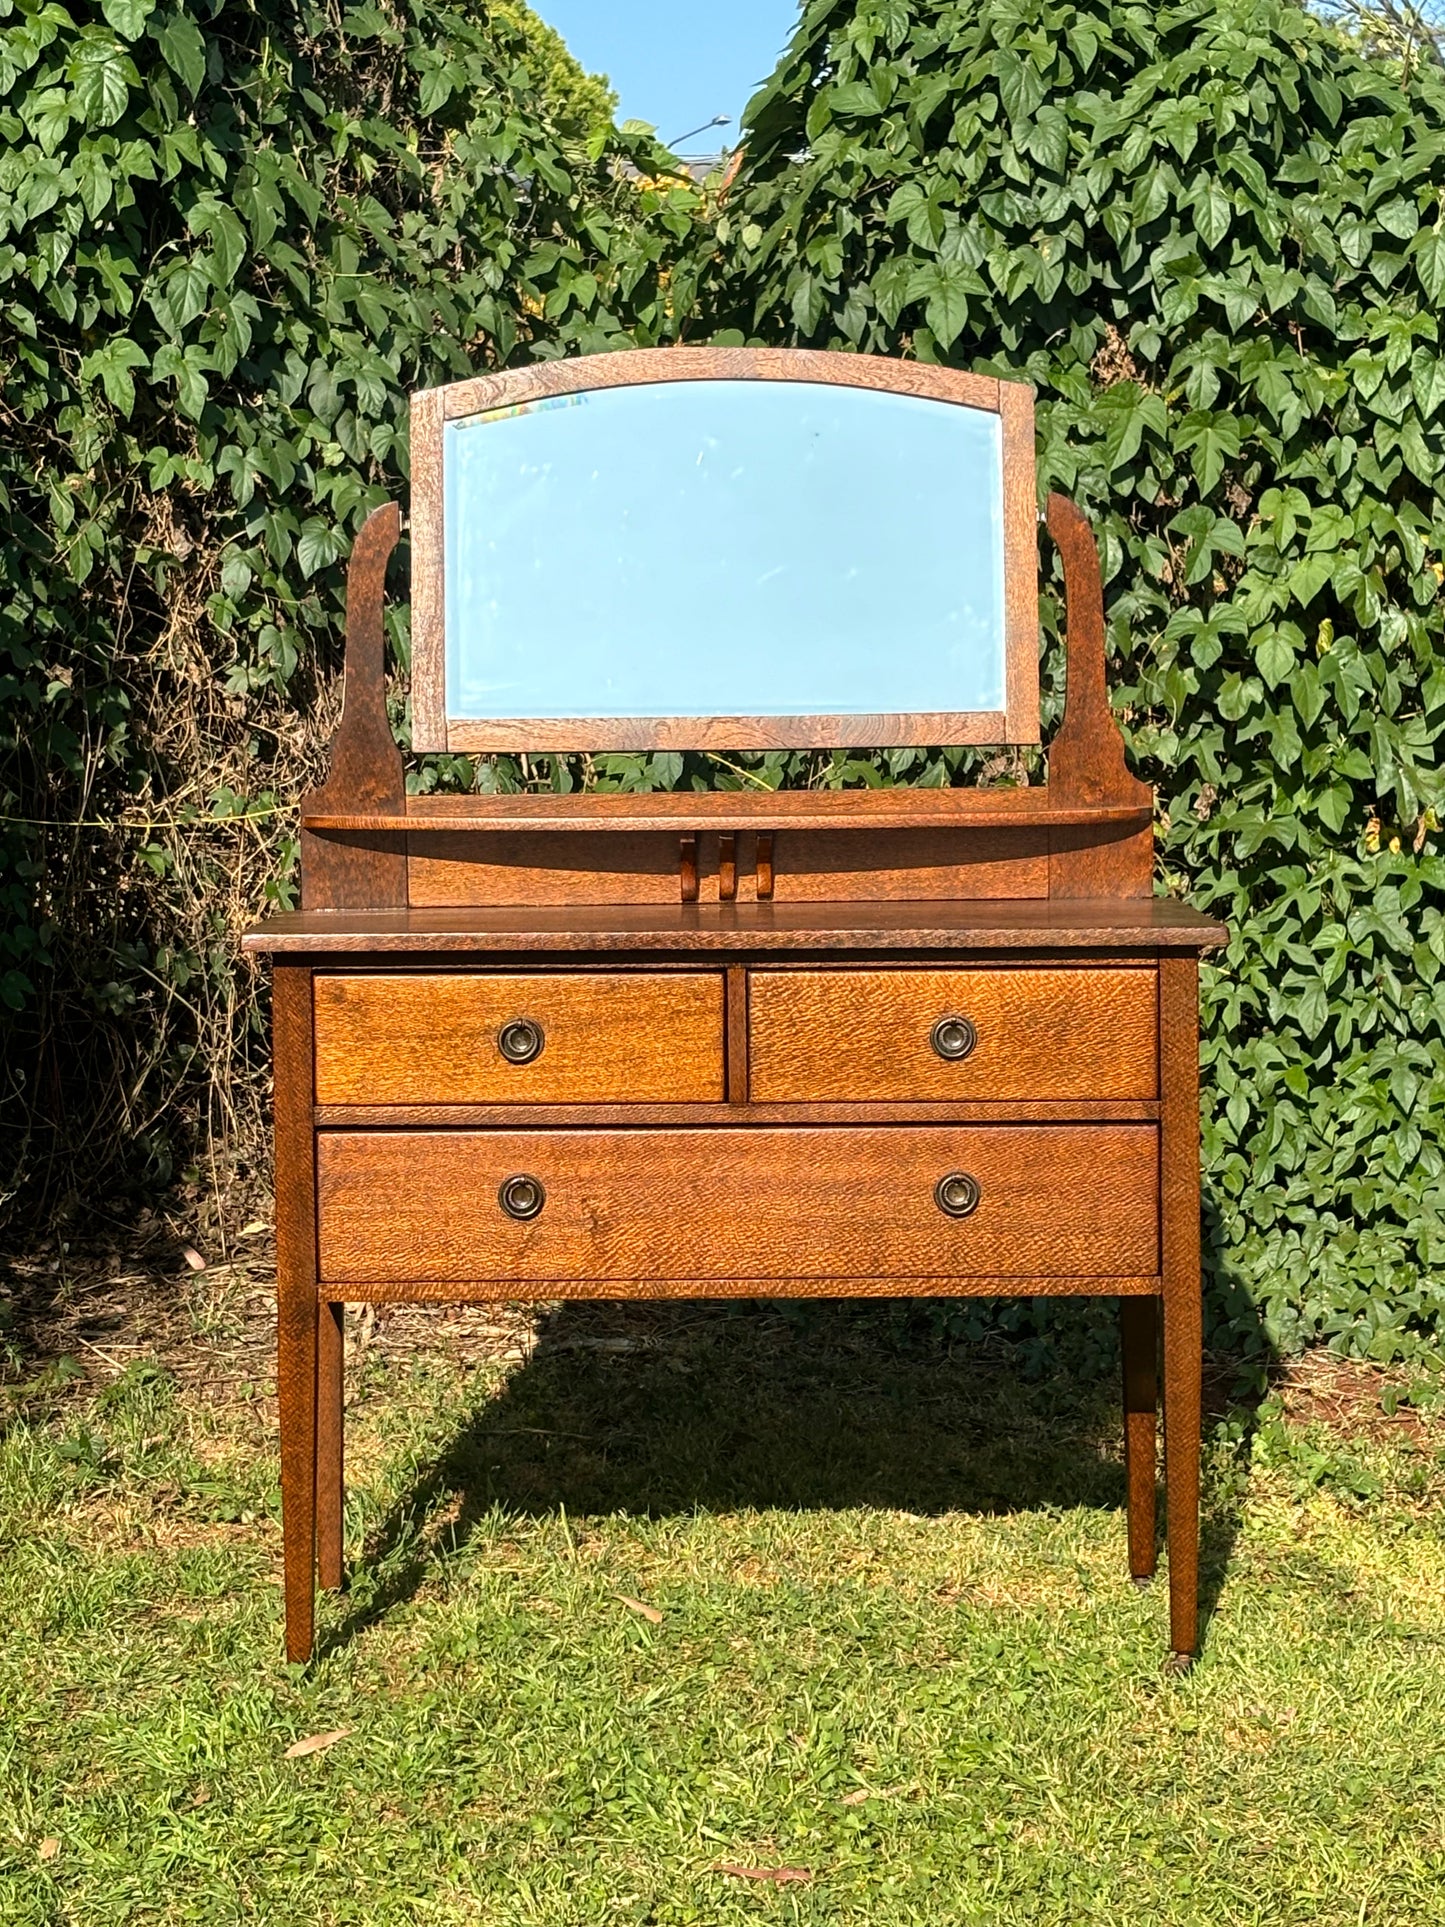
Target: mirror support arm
{"x": 339, "y": 869}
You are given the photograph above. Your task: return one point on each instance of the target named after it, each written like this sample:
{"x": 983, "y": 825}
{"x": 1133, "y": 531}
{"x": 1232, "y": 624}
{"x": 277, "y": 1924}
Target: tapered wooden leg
{"x": 296, "y": 1309}
{"x": 330, "y": 1472}
{"x": 1183, "y": 1314}
{"x": 296, "y": 1388}
{"x": 1182, "y": 1404}
{"x": 1139, "y": 1342}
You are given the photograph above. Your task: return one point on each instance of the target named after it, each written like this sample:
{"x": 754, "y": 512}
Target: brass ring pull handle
{"x": 521, "y": 1040}
{"x": 521, "y": 1197}
{"x": 957, "y": 1194}
{"x": 953, "y": 1038}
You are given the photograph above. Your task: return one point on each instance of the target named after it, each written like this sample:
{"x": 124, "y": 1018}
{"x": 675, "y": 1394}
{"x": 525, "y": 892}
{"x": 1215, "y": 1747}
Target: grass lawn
{"x": 889, "y": 1651}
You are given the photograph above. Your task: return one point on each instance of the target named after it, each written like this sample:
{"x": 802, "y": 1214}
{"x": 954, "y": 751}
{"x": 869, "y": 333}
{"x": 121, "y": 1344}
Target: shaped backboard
{"x": 723, "y": 549}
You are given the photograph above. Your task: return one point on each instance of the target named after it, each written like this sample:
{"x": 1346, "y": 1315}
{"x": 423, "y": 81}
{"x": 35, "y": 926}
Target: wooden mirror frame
{"x": 432, "y": 409}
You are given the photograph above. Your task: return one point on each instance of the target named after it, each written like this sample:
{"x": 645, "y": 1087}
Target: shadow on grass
{"x": 657, "y": 1410}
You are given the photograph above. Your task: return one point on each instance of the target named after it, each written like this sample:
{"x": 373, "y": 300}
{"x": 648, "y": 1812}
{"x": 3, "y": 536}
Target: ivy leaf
{"x": 1211, "y": 440}
{"x": 102, "y": 74}
{"x": 1213, "y": 213}
{"x": 1020, "y": 86}
{"x": 319, "y": 545}
{"x": 179, "y": 39}
{"x": 945, "y": 287}
{"x": 184, "y": 366}
{"x": 1275, "y": 657}
{"x": 128, "y": 17}
{"x": 1429, "y": 253}
{"x": 112, "y": 365}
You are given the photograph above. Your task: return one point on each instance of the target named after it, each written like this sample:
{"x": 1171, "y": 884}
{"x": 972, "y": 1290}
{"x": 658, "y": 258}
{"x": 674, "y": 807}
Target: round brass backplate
{"x": 957, "y": 1194}
{"x": 521, "y": 1040}
{"x": 521, "y": 1197}
{"x": 953, "y": 1038}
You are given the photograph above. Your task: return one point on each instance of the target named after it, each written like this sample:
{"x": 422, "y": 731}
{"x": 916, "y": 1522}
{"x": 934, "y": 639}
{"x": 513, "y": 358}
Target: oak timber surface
{"x": 607, "y": 1038}
{"x": 1151, "y": 923}
{"x": 816, "y": 1035}
{"x": 695, "y": 1207}
{"x": 896, "y": 809}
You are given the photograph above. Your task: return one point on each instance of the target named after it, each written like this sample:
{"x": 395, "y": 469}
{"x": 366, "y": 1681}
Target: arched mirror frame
{"x": 432, "y": 409}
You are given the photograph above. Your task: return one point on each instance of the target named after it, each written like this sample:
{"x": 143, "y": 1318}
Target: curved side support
{"x": 346, "y": 870}
{"x": 1086, "y": 758}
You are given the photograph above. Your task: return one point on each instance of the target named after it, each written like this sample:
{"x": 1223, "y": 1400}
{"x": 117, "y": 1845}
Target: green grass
{"x": 898, "y": 1649}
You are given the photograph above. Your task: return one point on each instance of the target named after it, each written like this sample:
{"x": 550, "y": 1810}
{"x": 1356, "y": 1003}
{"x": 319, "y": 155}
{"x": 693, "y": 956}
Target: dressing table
{"x": 892, "y": 1042}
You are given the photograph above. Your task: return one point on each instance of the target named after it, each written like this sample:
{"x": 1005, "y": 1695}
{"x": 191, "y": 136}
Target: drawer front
{"x": 443, "y": 1039}
{"x": 675, "y": 1211}
{"x": 868, "y": 1034}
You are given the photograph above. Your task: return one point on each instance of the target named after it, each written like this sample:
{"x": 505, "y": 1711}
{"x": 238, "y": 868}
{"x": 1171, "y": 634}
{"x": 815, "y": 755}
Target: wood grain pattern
{"x": 920, "y": 866}
{"x": 296, "y": 1301}
{"x": 538, "y": 379}
{"x": 865, "y": 1034}
{"x": 604, "y": 813}
{"x": 1021, "y": 562}
{"x": 737, "y": 1014}
{"x": 1139, "y": 1346}
{"x": 1183, "y": 1312}
{"x": 349, "y": 871}
{"x": 895, "y": 729}
{"x": 763, "y": 872}
{"x": 330, "y": 1442}
{"x": 697, "y": 1207}
{"x": 1017, "y": 1110}
{"x": 464, "y": 867}
{"x": 428, "y": 575}
{"x": 1086, "y": 758}
{"x": 946, "y": 1285}
{"x": 434, "y": 1038}
{"x": 1154, "y": 923}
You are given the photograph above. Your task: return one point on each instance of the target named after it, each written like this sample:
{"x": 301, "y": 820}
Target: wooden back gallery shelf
{"x": 883, "y": 1042}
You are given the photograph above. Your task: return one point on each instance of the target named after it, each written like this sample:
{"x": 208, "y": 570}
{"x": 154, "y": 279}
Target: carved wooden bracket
{"x": 341, "y": 870}
{"x": 1086, "y": 757}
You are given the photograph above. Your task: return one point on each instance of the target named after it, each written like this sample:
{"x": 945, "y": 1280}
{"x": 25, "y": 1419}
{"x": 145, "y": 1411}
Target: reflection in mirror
{"x": 724, "y": 548}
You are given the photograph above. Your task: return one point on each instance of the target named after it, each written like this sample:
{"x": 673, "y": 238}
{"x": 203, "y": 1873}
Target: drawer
{"x": 670, "y": 1211}
{"x": 868, "y": 1034}
{"x": 624, "y": 1037}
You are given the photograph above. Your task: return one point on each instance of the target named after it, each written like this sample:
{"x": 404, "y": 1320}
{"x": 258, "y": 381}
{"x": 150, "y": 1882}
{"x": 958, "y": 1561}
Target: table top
{"x": 962, "y": 924}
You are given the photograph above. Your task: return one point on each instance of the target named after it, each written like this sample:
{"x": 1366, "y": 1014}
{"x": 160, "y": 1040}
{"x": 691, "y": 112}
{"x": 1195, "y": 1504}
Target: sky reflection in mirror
{"x": 724, "y": 548}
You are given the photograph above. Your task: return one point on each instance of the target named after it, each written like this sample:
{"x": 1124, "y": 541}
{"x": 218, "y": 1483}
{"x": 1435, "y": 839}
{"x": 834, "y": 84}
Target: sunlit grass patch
{"x": 819, "y": 1600}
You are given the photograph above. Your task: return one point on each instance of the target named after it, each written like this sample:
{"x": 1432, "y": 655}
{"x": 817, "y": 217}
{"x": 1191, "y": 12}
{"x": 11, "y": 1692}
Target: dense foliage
{"x": 234, "y": 235}
{"x": 1213, "y": 235}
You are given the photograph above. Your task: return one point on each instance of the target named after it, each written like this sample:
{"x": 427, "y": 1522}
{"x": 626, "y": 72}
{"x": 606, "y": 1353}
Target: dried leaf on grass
{"x": 254, "y": 1228}
{"x": 193, "y": 1258}
{"x": 316, "y": 1743}
{"x": 48, "y": 1848}
{"x": 779, "y": 1876}
{"x": 649, "y": 1613}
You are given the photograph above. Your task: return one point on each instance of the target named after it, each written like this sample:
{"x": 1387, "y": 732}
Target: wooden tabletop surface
{"x": 1152, "y": 923}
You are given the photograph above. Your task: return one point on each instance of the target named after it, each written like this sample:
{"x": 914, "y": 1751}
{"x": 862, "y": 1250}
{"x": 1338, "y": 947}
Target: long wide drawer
{"x": 1050, "y": 1032}
{"x": 680, "y": 1210}
{"x": 578, "y": 1038}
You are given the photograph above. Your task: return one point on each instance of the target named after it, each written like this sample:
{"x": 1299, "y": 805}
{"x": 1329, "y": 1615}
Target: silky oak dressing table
{"x": 892, "y": 1042}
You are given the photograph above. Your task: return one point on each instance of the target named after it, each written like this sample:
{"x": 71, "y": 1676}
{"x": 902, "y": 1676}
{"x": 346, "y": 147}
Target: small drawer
{"x": 671, "y": 1213}
{"x": 579, "y": 1038}
{"x": 928, "y": 1034}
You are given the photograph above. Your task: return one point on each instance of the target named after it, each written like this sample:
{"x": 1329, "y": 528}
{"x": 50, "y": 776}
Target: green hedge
{"x": 1212, "y": 235}
{"x": 234, "y": 235}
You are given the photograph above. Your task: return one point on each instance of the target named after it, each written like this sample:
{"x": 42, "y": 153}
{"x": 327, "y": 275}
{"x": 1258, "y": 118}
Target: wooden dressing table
{"x": 875, "y": 1043}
